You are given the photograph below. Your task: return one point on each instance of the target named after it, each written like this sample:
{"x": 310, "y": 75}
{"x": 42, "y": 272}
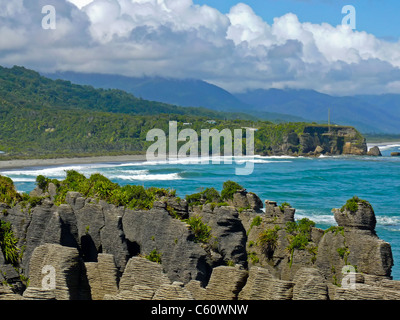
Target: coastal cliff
{"x": 314, "y": 139}
{"x": 209, "y": 246}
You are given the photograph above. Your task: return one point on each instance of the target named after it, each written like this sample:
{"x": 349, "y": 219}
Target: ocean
{"x": 311, "y": 185}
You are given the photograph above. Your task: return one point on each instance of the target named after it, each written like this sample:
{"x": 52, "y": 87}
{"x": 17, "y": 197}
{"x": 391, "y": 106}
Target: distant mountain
{"x": 181, "y": 92}
{"x": 369, "y": 113}
{"x": 27, "y": 88}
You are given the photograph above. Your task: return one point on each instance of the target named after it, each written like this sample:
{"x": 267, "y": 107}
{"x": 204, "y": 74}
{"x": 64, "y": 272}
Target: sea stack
{"x": 374, "y": 151}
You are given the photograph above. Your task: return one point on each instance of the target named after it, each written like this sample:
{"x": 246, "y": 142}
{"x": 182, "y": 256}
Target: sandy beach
{"x": 14, "y": 164}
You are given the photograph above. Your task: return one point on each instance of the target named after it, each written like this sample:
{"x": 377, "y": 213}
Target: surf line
{"x": 190, "y": 149}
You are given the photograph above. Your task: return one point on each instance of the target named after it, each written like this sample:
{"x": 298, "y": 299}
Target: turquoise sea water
{"x": 311, "y": 185}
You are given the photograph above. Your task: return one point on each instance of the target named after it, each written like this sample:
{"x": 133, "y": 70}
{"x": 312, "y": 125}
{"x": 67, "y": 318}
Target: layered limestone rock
{"x": 56, "y": 272}
{"x": 89, "y": 249}
{"x": 225, "y": 283}
{"x": 102, "y": 276}
{"x": 174, "y": 291}
{"x": 227, "y": 231}
{"x": 354, "y": 242}
{"x": 310, "y": 284}
{"x": 261, "y": 285}
{"x": 140, "y": 271}
{"x": 182, "y": 258}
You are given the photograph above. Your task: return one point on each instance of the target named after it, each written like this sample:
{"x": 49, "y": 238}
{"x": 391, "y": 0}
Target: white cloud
{"x": 176, "y": 38}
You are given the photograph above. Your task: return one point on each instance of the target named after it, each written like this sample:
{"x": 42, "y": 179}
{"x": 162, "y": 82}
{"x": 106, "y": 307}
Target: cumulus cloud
{"x": 176, "y": 38}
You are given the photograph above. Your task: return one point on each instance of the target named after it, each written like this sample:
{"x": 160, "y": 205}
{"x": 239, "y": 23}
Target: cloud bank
{"x": 175, "y": 38}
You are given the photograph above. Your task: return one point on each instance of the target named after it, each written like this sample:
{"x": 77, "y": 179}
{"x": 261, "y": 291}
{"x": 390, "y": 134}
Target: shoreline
{"x": 24, "y": 163}
{"x": 18, "y": 163}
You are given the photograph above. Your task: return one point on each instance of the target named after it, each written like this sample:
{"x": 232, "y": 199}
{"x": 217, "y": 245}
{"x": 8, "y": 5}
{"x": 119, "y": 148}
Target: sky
{"x": 237, "y": 45}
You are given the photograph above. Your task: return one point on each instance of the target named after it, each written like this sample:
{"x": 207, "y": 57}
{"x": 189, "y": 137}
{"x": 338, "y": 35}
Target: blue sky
{"x": 379, "y": 17}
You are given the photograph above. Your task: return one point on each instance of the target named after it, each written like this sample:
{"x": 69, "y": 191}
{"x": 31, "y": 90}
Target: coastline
{"x": 18, "y": 163}
{"x": 24, "y": 163}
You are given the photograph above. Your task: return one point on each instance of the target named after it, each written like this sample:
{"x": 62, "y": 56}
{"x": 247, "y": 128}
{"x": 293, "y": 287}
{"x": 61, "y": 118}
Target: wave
{"x": 148, "y": 177}
{"x": 260, "y": 161}
{"x": 384, "y": 146}
{"x": 23, "y": 179}
{"x": 59, "y": 171}
{"x": 325, "y": 219}
{"x": 388, "y": 220}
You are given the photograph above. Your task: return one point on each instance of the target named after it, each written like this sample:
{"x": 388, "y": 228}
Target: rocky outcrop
{"x": 102, "y": 276}
{"x": 182, "y": 258}
{"x": 374, "y": 151}
{"x": 225, "y": 283}
{"x": 90, "y": 249}
{"x": 321, "y": 139}
{"x": 229, "y": 235}
{"x": 57, "y": 272}
{"x": 355, "y": 243}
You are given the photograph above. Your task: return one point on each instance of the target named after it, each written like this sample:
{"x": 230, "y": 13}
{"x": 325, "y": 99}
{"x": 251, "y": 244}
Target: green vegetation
{"x": 352, "y": 204}
{"x": 211, "y": 195}
{"x": 154, "y": 256}
{"x": 8, "y": 243}
{"x": 208, "y": 195}
{"x": 229, "y": 188}
{"x": 45, "y": 118}
{"x": 299, "y": 236}
{"x": 268, "y": 240}
{"x": 40, "y": 117}
{"x": 201, "y": 231}
{"x": 255, "y": 223}
{"x": 8, "y": 194}
{"x": 130, "y": 196}
{"x": 252, "y": 256}
{"x": 284, "y": 205}
{"x": 343, "y": 253}
{"x": 335, "y": 229}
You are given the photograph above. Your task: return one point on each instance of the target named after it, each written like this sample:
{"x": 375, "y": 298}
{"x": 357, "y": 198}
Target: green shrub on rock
{"x": 229, "y": 188}
{"x": 201, "y": 231}
{"x": 8, "y": 194}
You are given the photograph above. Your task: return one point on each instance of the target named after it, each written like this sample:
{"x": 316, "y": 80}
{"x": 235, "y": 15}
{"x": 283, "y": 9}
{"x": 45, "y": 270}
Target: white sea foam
{"x": 261, "y": 161}
{"x": 384, "y": 146}
{"x": 23, "y": 179}
{"x": 145, "y": 177}
{"x": 208, "y": 160}
{"x": 56, "y": 171}
{"x": 326, "y": 219}
{"x": 388, "y": 220}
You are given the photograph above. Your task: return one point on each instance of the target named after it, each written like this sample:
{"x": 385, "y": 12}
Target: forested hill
{"x": 40, "y": 117}
{"x": 22, "y": 87}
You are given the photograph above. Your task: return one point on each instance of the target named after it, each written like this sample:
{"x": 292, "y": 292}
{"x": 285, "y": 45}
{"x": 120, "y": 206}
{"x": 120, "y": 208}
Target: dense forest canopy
{"x": 40, "y": 117}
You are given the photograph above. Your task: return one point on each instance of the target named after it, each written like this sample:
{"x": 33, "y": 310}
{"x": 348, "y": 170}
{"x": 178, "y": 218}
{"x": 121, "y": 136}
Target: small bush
{"x": 208, "y": 195}
{"x": 229, "y": 188}
{"x": 299, "y": 235}
{"x": 268, "y": 240}
{"x": 8, "y": 243}
{"x": 8, "y": 194}
{"x": 352, "y": 204}
{"x": 283, "y": 206}
{"x": 41, "y": 182}
{"x": 201, "y": 231}
{"x": 154, "y": 256}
